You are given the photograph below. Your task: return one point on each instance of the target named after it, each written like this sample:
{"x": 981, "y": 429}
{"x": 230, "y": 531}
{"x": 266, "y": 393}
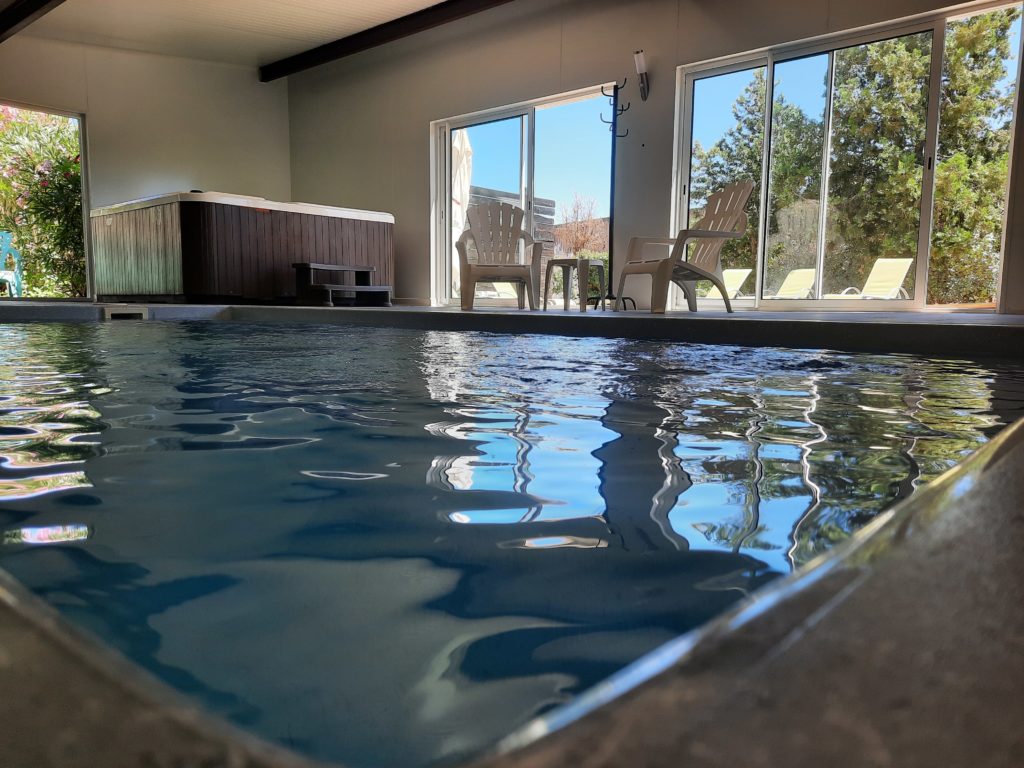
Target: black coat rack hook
{"x": 615, "y": 87}
{"x": 617, "y": 109}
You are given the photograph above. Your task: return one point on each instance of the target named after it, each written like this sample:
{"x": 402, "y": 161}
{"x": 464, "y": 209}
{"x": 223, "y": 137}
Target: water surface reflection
{"x": 392, "y": 547}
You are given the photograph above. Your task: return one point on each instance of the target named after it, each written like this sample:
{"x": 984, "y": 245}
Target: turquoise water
{"x": 394, "y": 547}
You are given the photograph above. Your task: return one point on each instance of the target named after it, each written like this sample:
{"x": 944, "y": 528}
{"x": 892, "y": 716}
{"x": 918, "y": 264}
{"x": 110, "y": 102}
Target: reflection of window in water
{"x": 511, "y": 454}
{"x": 780, "y": 465}
{"x": 52, "y": 534}
{"x": 805, "y": 462}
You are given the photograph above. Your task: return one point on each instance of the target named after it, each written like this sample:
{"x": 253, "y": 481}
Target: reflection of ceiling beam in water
{"x": 639, "y": 469}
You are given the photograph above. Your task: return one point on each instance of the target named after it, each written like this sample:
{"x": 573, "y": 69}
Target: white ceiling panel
{"x": 252, "y": 32}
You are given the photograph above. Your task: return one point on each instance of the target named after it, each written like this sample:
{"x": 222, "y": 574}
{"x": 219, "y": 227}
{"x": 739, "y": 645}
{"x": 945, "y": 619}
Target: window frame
{"x": 83, "y": 148}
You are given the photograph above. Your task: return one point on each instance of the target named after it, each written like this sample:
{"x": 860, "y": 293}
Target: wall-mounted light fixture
{"x": 641, "y": 70}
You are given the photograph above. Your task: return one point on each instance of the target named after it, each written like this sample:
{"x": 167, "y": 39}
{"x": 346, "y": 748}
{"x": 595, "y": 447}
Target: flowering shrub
{"x": 41, "y": 200}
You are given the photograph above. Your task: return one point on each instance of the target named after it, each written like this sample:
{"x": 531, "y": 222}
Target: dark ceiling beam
{"x": 420, "y": 21}
{"x": 19, "y": 14}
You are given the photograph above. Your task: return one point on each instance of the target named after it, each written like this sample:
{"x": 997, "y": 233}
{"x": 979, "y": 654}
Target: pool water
{"x": 394, "y": 547}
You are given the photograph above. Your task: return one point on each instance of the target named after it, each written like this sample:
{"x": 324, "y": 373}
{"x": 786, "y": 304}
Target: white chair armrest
{"x": 460, "y": 246}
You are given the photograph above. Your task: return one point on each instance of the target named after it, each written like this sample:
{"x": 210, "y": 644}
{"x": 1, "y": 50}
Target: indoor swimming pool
{"x": 394, "y": 547}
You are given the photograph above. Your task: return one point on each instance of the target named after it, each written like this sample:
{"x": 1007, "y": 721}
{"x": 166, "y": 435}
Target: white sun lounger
{"x": 884, "y": 282}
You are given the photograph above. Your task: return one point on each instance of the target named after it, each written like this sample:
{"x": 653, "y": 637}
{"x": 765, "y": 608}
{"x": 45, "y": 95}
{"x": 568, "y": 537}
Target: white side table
{"x": 582, "y": 267}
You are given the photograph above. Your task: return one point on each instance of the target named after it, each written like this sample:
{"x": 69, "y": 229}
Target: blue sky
{"x": 573, "y": 150}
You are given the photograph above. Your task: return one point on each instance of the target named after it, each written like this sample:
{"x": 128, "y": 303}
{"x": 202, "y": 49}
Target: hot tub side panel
{"x": 137, "y": 253}
{"x": 246, "y": 253}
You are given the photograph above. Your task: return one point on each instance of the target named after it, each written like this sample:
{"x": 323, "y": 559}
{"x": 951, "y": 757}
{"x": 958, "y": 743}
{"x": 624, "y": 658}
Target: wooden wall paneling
{"x": 264, "y": 277}
{"x": 170, "y": 222}
{"x": 284, "y": 285}
{"x": 334, "y": 226}
{"x": 208, "y": 238}
{"x": 389, "y": 252}
{"x": 322, "y": 250}
{"x": 255, "y": 252}
{"x": 246, "y": 225}
{"x": 236, "y": 287}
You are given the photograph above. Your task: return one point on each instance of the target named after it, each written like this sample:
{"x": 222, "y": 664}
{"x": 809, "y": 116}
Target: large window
{"x": 884, "y": 161}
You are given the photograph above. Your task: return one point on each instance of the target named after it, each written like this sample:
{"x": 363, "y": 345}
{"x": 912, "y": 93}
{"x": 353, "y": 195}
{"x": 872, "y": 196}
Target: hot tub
{"x": 215, "y": 247}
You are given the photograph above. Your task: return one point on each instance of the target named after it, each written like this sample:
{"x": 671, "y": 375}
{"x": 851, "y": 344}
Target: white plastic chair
{"x": 496, "y": 229}
{"x": 724, "y": 219}
{"x": 885, "y": 281}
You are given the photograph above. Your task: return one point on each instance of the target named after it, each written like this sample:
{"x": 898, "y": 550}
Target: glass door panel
{"x": 799, "y": 104}
{"x": 486, "y": 164}
{"x": 879, "y": 118}
{"x": 979, "y": 81}
{"x": 572, "y": 169}
{"x": 726, "y": 146}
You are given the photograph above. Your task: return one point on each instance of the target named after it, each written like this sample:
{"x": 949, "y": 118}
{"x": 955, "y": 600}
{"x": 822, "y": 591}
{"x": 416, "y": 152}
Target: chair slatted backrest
{"x": 496, "y": 228}
{"x": 723, "y": 213}
{"x": 886, "y": 278}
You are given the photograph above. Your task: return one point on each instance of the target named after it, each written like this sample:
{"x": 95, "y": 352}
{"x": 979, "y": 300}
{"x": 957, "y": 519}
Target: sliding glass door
{"x": 795, "y": 172}
{"x": 725, "y": 142}
{"x": 552, "y": 158}
{"x": 979, "y": 83}
{"x": 884, "y": 163}
{"x": 486, "y": 163}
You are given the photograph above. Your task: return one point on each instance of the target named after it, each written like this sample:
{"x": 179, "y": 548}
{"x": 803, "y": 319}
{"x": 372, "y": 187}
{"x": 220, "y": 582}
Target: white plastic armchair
{"x": 724, "y": 219}
{"x": 496, "y": 229}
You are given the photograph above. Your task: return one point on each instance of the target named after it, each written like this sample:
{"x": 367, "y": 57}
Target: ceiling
{"x": 253, "y": 32}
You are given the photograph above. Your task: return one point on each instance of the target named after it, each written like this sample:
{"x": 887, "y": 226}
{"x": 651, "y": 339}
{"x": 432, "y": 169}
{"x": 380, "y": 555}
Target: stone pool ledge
{"x": 973, "y": 335}
{"x": 903, "y": 647}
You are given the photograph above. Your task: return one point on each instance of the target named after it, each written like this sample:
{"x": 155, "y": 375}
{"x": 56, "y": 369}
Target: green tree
{"x": 879, "y": 119}
{"x": 41, "y": 200}
{"x": 973, "y": 162}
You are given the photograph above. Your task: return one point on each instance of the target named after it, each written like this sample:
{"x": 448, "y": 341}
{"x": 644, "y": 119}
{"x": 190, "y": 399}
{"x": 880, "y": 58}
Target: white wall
{"x": 158, "y": 123}
{"x": 360, "y": 126}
